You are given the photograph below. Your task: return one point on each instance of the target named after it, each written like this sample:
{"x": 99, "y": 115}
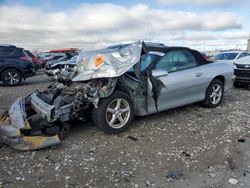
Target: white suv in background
{"x": 242, "y": 71}
{"x": 230, "y": 56}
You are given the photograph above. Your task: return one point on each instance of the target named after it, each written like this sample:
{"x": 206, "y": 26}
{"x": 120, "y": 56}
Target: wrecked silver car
{"x": 113, "y": 85}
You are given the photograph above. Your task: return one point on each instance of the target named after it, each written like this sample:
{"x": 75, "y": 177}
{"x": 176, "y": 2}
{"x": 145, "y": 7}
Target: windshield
{"x": 148, "y": 59}
{"x": 226, "y": 56}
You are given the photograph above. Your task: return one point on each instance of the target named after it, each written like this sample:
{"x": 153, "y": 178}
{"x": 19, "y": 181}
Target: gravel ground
{"x": 187, "y": 147}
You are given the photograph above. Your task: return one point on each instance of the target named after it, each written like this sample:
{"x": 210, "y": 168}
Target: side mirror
{"x": 159, "y": 72}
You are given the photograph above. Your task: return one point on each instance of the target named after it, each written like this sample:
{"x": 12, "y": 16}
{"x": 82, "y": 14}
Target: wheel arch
{"x": 207, "y": 101}
{"x": 11, "y": 67}
{"x": 221, "y": 78}
{"x": 125, "y": 90}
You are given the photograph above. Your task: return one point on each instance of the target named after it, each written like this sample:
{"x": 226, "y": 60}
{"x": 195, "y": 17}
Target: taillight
{"x": 24, "y": 58}
{"x": 34, "y": 59}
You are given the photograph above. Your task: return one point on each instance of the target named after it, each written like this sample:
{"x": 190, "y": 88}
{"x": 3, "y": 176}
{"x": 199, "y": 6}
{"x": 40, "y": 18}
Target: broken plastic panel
{"x": 14, "y": 123}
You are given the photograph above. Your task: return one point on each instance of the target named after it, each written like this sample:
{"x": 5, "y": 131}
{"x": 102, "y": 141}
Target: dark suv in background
{"x": 15, "y": 65}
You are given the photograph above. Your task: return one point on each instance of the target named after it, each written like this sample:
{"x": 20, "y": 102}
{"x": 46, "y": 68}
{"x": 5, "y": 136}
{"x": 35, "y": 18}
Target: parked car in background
{"x": 113, "y": 85}
{"x": 205, "y": 56}
{"x": 42, "y": 62}
{"x": 230, "y": 56}
{"x": 15, "y": 65}
{"x": 51, "y": 62}
{"x": 242, "y": 71}
{"x": 65, "y": 67}
{"x": 33, "y": 59}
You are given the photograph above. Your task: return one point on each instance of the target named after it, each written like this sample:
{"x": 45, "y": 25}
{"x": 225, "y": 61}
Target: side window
{"x": 148, "y": 59}
{"x": 177, "y": 60}
{"x": 4, "y": 51}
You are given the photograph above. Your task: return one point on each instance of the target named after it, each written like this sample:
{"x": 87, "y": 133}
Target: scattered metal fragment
{"x": 132, "y": 138}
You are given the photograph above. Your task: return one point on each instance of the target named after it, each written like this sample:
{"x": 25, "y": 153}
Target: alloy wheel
{"x": 12, "y": 78}
{"x": 216, "y": 94}
{"x": 118, "y": 113}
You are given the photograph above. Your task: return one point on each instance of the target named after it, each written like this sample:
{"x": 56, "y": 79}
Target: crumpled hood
{"x": 109, "y": 62}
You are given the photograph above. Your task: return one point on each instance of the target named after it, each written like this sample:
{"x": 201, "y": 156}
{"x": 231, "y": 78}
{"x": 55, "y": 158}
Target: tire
{"x": 111, "y": 117}
{"x": 11, "y": 77}
{"x": 215, "y": 100}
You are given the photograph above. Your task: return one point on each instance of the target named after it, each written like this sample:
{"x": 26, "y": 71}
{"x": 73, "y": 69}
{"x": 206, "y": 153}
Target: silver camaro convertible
{"x": 113, "y": 85}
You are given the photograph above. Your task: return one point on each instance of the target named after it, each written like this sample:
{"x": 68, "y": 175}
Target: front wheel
{"x": 114, "y": 113}
{"x": 214, "y": 94}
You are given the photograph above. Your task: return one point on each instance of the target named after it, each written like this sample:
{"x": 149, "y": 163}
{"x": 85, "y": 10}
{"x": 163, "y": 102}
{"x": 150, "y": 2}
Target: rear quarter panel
{"x": 215, "y": 69}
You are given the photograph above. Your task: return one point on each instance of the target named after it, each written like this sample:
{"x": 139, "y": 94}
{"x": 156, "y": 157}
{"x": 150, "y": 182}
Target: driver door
{"x": 183, "y": 84}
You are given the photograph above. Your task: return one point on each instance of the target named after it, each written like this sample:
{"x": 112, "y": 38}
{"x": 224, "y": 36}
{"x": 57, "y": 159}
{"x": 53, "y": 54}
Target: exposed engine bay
{"x": 77, "y": 96}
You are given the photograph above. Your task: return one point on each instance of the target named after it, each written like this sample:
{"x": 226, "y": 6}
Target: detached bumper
{"x": 14, "y": 123}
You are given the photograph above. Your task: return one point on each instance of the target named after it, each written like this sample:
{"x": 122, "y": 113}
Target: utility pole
{"x": 248, "y": 43}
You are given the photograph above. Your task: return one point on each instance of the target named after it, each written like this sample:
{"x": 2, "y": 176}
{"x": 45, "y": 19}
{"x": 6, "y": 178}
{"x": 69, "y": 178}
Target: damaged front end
{"x": 69, "y": 97}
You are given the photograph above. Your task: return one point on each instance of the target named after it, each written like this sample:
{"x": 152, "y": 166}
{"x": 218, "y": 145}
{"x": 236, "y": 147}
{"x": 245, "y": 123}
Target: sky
{"x": 91, "y": 24}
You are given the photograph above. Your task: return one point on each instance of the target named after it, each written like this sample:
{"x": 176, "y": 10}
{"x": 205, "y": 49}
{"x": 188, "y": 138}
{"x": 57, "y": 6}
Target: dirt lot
{"x": 187, "y": 147}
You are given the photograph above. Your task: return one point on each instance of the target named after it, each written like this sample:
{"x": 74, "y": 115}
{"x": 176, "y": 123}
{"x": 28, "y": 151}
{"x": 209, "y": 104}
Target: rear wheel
{"x": 114, "y": 113}
{"x": 214, "y": 94}
{"x": 11, "y": 77}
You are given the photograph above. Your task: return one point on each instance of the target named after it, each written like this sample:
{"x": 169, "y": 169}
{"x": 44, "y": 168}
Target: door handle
{"x": 199, "y": 74}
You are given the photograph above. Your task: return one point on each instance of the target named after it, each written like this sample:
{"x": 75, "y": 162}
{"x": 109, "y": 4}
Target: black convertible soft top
{"x": 159, "y": 47}
{"x": 165, "y": 49}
